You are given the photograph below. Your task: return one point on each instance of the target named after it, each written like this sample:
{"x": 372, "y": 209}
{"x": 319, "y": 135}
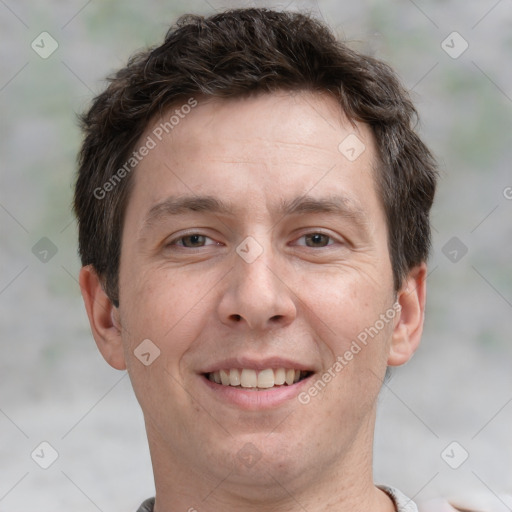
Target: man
{"x": 253, "y": 209}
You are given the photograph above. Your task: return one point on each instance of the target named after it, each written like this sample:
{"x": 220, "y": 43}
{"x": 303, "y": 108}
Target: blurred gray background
{"x": 454, "y": 56}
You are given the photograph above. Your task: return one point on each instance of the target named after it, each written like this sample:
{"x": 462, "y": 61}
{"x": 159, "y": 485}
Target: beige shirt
{"x": 402, "y": 502}
{"x": 469, "y": 503}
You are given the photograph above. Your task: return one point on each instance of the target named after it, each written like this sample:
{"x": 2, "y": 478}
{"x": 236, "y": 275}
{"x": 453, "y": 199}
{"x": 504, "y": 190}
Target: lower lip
{"x": 256, "y": 399}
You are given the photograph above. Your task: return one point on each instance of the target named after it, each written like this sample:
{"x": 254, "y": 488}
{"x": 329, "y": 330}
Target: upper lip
{"x": 256, "y": 364}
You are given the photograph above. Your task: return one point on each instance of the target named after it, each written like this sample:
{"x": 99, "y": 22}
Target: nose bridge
{"x": 255, "y": 295}
{"x": 254, "y": 260}
{"x": 256, "y": 278}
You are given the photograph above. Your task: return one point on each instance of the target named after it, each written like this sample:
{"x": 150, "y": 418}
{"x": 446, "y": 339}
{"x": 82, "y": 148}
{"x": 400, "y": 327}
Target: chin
{"x": 264, "y": 460}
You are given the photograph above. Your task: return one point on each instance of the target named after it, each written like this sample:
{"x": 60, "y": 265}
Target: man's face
{"x": 254, "y": 244}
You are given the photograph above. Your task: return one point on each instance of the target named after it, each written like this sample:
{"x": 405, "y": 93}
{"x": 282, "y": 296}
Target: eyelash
{"x": 188, "y": 235}
{"x": 175, "y": 242}
{"x": 321, "y": 233}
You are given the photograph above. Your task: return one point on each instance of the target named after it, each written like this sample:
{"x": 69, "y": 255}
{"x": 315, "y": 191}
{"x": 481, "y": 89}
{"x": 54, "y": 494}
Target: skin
{"x": 305, "y": 298}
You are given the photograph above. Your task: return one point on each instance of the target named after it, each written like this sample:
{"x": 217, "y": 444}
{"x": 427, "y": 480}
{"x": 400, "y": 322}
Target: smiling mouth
{"x": 250, "y": 379}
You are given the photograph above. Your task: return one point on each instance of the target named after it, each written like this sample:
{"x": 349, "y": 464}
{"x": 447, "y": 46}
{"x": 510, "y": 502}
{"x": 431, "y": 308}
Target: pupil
{"x": 195, "y": 239}
{"x": 317, "y": 239}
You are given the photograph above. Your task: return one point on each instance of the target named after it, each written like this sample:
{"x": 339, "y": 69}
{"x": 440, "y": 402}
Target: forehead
{"x": 256, "y": 152}
{"x": 298, "y": 121}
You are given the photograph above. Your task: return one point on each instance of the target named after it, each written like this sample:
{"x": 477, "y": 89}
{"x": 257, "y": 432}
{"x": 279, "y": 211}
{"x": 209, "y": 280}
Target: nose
{"x": 257, "y": 295}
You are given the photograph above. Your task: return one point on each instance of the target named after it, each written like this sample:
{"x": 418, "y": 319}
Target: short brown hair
{"x": 236, "y": 53}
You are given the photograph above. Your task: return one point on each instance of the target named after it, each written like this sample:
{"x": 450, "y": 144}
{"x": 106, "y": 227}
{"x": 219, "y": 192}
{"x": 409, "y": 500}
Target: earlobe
{"x": 103, "y": 318}
{"x": 409, "y": 324}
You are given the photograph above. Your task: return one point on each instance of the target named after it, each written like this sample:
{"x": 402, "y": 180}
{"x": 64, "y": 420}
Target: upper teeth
{"x": 248, "y": 378}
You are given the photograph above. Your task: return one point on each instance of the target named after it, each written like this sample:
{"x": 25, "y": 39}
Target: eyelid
{"x": 179, "y": 236}
{"x": 333, "y": 238}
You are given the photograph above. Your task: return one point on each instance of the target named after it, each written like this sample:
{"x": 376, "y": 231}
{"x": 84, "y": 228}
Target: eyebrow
{"x": 185, "y": 204}
{"x": 336, "y": 204}
{"x": 339, "y": 205}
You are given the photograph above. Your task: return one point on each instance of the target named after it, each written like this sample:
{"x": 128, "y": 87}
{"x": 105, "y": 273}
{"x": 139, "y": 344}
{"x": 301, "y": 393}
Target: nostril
{"x": 236, "y": 318}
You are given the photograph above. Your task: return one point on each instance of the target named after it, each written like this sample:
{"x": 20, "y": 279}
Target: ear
{"x": 409, "y": 326}
{"x": 103, "y": 317}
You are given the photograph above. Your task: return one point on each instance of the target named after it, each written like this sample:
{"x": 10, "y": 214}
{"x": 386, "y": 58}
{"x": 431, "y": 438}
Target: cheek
{"x": 345, "y": 302}
{"x": 156, "y": 306}
{"x": 345, "y": 311}
{"x": 167, "y": 310}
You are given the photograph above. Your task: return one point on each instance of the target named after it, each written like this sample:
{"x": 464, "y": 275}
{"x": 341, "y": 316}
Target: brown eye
{"x": 192, "y": 241}
{"x": 317, "y": 240}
